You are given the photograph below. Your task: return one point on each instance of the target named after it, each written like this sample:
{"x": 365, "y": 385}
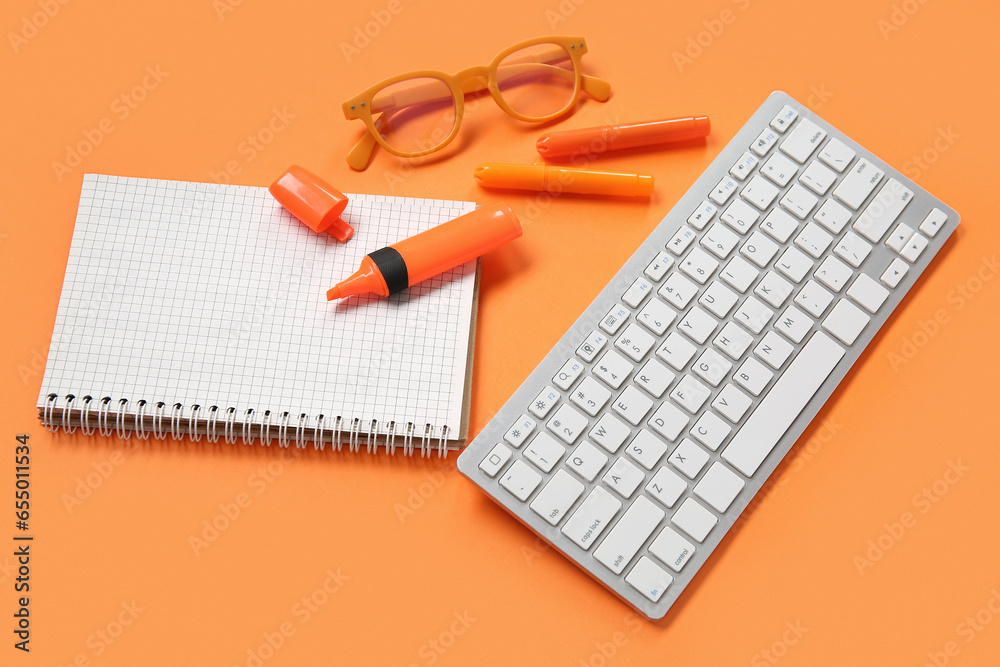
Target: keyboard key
{"x": 779, "y": 169}
{"x": 803, "y": 140}
{"x": 649, "y": 579}
{"x": 832, "y": 216}
{"x": 773, "y": 289}
{"x": 759, "y": 249}
{"x": 699, "y": 265}
{"x": 933, "y": 223}
{"x": 799, "y": 202}
{"x": 613, "y": 369}
{"x": 623, "y": 478}
{"x": 743, "y": 167}
{"x": 758, "y": 192}
{"x": 659, "y": 266}
{"x": 646, "y": 449}
{"x": 719, "y": 240}
{"x": 544, "y": 452}
{"x": 779, "y": 225}
{"x": 900, "y": 235}
{"x": 784, "y": 119}
{"x": 782, "y": 404}
{"x": 519, "y": 432}
{"x": 567, "y": 423}
{"x": 676, "y": 351}
{"x": 555, "y": 499}
{"x": 668, "y": 421}
{"x": 752, "y": 376}
{"x": 833, "y": 273}
{"x": 858, "y": 184}
{"x": 590, "y": 396}
{"x": 681, "y": 240}
{"x": 689, "y": 458}
{"x": 773, "y": 350}
{"x": 794, "y": 324}
{"x": 914, "y": 248}
{"x": 846, "y": 321}
{"x": 632, "y": 405}
{"x": 719, "y": 487}
{"x": 587, "y": 461}
{"x": 520, "y": 480}
{"x": 654, "y": 378}
{"x": 568, "y": 374}
{"x": 609, "y": 432}
{"x": 817, "y": 178}
{"x": 762, "y": 144}
{"x": 544, "y": 402}
{"x": 794, "y": 264}
{"x": 837, "y": 154}
{"x": 813, "y": 298}
{"x": 672, "y": 549}
{"x": 591, "y": 518}
{"x": 896, "y": 271}
{"x": 631, "y": 531}
{"x": 712, "y": 367}
{"x": 690, "y": 394}
{"x": 853, "y": 249}
{"x": 678, "y": 291}
{"x": 694, "y": 520}
{"x": 635, "y": 342}
{"x": 697, "y": 325}
{"x": 710, "y": 430}
{"x": 883, "y": 210}
{"x": 615, "y": 319}
{"x": 739, "y": 274}
{"x": 495, "y": 460}
{"x": 656, "y": 316}
{"x": 702, "y": 215}
{"x": 740, "y": 216}
{"x": 868, "y": 293}
{"x": 723, "y": 191}
{"x": 637, "y": 292}
{"x": 813, "y": 240}
{"x": 732, "y": 403}
{"x": 666, "y": 486}
{"x": 753, "y": 315}
{"x": 590, "y": 347}
{"x": 718, "y": 299}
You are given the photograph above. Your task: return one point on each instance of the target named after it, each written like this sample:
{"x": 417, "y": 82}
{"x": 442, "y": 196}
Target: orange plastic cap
{"x": 313, "y": 201}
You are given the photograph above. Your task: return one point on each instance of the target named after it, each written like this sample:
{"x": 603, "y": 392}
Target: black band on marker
{"x": 390, "y": 263}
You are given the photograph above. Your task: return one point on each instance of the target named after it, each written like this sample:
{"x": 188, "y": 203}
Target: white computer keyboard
{"x": 638, "y": 440}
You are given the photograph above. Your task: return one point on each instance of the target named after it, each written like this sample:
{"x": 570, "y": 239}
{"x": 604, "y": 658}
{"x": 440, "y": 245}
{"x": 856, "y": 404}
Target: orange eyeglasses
{"x": 419, "y": 112}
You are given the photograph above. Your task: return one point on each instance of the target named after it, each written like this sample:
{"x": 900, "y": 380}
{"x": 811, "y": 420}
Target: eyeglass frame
{"x": 469, "y": 80}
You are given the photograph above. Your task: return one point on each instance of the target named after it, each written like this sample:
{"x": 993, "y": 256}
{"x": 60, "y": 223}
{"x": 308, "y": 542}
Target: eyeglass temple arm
{"x": 361, "y": 155}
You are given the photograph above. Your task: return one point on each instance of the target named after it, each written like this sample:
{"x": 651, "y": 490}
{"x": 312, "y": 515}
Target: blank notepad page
{"x": 213, "y": 295}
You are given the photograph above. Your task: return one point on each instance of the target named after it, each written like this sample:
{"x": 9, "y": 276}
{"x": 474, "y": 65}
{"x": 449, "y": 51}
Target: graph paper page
{"x": 214, "y": 295}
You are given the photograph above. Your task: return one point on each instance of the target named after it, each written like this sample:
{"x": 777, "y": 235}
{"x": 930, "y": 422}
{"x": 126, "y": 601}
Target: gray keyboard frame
{"x": 493, "y": 432}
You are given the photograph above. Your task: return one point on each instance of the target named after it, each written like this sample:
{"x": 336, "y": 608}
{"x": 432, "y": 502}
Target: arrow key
{"x": 894, "y": 273}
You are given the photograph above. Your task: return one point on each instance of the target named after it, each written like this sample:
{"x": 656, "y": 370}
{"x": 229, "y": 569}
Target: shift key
{"x": 631, "y": 531}
{"x": 883, "y": 210}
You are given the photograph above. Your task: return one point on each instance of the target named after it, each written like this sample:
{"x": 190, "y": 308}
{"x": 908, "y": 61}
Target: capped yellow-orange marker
{"x": 425, "y": 255}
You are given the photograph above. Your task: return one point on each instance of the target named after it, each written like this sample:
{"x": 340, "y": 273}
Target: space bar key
{"x": 782, "y": 405}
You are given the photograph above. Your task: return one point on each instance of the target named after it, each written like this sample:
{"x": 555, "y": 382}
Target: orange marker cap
{"x": 313, "y": 201}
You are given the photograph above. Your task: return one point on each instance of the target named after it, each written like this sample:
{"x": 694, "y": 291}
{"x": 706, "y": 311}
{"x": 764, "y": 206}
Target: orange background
{"x": 360, "y": 559}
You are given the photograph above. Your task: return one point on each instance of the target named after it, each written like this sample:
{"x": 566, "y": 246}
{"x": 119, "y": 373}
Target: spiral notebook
{"x": 200, "y": 309}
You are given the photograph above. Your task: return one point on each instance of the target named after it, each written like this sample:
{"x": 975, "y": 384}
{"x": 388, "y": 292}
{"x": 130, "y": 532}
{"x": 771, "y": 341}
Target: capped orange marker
{"x": 425, "y": 255}
{"x": 617, "y": 137}
{"x": 539, "y": 176}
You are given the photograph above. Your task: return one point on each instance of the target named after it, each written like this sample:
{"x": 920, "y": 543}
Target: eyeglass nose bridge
{"x": 473, "y": 79}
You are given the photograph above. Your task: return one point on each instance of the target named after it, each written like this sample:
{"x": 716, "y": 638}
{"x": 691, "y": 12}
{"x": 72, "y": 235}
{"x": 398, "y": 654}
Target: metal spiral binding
{"x": 67, "y": 413}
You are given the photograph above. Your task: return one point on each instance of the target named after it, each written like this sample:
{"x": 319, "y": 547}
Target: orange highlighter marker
{"x": 616, "y": 137}
{"x": 425, "y": 255}
{"x": 540, "y": 176}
